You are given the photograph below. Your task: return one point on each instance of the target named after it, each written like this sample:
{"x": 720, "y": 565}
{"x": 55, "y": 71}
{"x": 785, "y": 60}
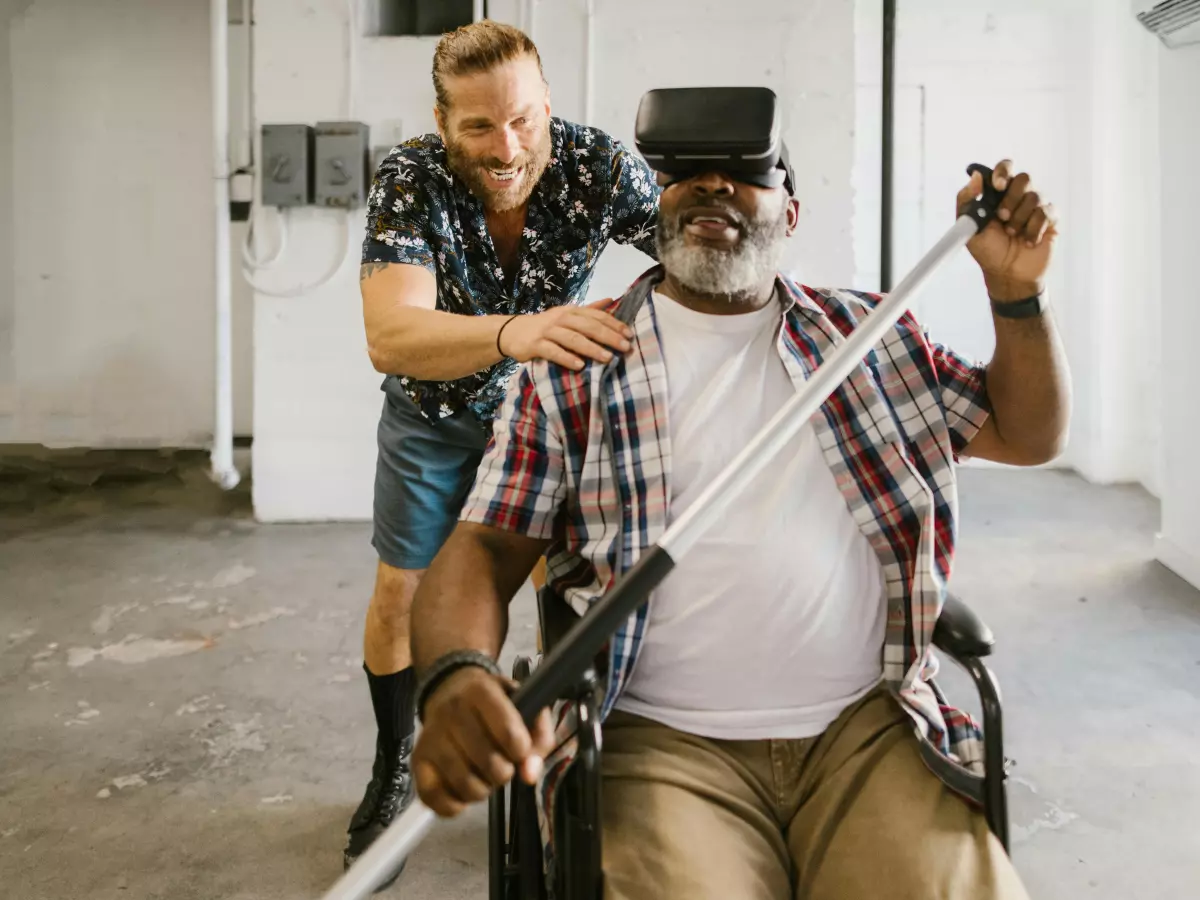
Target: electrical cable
{"x": 292, "y": 293}
{"x": 251, "y": 262}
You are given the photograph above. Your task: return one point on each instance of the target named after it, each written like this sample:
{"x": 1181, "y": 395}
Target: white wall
{"x": 113, "y": 313}
{"x": 1179, "y": 115}
{"x": 8, "y": 9}
{"x": 1067, "y": 90}
{"x": 316, "y": 397}
{"x": 6, "y": 217}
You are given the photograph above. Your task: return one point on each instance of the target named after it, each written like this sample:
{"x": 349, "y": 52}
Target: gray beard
{"x": 738, "y": 273}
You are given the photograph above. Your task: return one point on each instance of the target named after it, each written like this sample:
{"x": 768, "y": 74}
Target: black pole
{"x": 885, "y": 184}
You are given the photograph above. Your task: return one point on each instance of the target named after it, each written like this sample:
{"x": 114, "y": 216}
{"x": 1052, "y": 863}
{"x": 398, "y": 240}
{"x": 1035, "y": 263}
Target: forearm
{"x": 462, "y": 601}
{"x": 432, "y": 345}
{"x": 1029, "y": 387}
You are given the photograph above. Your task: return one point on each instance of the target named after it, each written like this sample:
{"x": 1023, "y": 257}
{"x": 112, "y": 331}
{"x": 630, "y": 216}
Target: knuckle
{"x": 516, "y": 739}
{"x": 499, "y": 770}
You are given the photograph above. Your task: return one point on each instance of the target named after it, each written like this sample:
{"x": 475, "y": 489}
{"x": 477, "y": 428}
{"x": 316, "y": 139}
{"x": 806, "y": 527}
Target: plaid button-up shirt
{"x": 890, "y": 433}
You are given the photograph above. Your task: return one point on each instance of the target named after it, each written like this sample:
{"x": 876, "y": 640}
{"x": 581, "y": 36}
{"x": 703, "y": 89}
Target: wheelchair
{"x": 515, "y": 854}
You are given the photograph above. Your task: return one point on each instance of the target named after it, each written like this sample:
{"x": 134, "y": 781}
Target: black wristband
{"x": 1028, "y": 308}
{"x": 503, "y": 355}
{"x": 446, "y": 666}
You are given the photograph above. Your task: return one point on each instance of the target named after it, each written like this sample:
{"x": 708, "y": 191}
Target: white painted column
{"x": 1178, "y": 544}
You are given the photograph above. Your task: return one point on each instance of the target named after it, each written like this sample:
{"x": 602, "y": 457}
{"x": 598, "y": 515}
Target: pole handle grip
{"x": 982, "y": 209}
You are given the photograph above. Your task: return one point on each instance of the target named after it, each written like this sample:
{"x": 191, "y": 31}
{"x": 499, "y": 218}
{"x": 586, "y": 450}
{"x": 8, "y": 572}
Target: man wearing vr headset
{"x": 480, "y": 241}
{"x": 768, "y": 714}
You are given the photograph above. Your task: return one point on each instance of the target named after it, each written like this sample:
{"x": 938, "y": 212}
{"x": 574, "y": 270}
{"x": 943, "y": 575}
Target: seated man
{"x": 770, "y": 730}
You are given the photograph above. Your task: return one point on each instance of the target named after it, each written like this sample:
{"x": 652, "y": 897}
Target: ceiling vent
{"x": 1176, "y": 22}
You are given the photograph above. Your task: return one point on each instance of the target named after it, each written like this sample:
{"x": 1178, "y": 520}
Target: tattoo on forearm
{"x": 366, "y": 270}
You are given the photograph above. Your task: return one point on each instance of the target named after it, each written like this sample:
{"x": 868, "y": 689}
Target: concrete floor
{"x": 184, "y": 715}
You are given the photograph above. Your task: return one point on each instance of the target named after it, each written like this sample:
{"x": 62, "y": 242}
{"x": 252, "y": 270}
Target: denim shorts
{"x": 424, "y": 473}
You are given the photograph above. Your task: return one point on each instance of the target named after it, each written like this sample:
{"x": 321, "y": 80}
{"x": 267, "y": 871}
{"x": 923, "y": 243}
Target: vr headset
{"x": 684, "y": 132}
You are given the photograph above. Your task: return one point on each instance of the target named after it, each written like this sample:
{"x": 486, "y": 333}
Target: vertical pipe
{"x": 245, "y": 147}
{"x": 885, "y": 181}
{"x": 223, "y": 471}
{"x": 479, "y": 13}
{"x": 589, "y": 65}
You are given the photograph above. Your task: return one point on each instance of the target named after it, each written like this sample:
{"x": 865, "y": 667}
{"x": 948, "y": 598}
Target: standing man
{"x": 479, "y": 240}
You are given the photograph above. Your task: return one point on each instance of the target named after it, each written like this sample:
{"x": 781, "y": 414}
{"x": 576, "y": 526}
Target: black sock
{"x": 393, "y": 697}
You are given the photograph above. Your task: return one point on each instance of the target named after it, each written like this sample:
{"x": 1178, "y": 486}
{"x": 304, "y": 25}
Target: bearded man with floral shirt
{"x": 481, "y": 241}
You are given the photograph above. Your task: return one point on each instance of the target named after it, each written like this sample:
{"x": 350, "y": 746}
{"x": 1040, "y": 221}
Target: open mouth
{"x": 711, "y": 224}
{"x": 504, "y": 177}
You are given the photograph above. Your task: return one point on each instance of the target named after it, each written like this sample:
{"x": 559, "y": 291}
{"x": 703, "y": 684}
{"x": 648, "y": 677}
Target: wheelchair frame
{"x": 515, "y": 853}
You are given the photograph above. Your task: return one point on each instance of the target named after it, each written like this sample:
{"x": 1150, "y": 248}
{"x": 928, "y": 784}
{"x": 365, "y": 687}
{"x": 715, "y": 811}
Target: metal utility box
{"x": 343, "y": 158}
{"x": 287, "y": 160}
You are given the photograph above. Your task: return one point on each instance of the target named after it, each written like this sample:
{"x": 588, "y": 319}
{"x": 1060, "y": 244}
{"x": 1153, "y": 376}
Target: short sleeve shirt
{"x": 419, "y": 213}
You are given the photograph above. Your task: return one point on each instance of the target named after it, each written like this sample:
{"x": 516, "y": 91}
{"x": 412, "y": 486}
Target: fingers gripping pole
{"x": 580, "y": 647}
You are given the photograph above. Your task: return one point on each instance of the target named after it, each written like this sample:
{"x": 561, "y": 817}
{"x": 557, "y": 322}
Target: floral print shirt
{"x": 419, "y": 213}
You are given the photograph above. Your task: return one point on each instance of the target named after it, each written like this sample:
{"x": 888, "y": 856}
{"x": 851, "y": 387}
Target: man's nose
{"x": 713, "y": 183}
{"x": 507, "y": 145}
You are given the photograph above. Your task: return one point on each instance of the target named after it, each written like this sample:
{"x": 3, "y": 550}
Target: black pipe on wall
{"x": 885, "y": 185}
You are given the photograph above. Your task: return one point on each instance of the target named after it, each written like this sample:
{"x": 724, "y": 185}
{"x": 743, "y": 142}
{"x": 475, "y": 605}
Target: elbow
{"x": 1042, "y": 451}
{"x": 387, "y": 358}
{"x": 1043, "y": 455}
{"x": 379, "y": 359}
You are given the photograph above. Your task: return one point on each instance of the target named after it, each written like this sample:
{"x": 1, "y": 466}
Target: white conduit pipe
{"x": 223, "y": 472}
{"x": 589, "y": 65}
{"x": 248, "y": 74}
{"x": 477, "y": 15}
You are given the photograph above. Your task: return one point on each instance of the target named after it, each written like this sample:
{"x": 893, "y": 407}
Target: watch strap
{"x": 1029, "y": 308}
{"x": 447, "y": 665}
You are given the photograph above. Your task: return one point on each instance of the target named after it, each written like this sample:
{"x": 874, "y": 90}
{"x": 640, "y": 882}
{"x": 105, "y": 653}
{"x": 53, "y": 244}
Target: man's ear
{"x": 793, "y": 215}
{"x": 441, "y": 125}
{"x": 547, "y": 101}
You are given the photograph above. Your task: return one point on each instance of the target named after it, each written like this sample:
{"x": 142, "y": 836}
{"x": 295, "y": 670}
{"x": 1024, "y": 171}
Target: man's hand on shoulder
{"x": 473, "y": 741}
{"x": 567, "y": 336}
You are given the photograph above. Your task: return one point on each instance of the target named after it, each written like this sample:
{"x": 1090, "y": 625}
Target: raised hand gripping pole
{"x": 577, "y": 651}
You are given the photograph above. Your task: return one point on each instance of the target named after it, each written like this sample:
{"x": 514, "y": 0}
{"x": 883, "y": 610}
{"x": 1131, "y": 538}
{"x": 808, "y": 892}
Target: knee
{"x": 392, "y": 600}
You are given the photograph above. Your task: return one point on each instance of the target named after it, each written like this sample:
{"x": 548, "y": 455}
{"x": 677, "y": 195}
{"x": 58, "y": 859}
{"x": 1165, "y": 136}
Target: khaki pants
{"x": 850, "y": 815}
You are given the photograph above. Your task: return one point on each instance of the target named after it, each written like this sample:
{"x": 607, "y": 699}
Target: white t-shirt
{"x": 774, "y": 621}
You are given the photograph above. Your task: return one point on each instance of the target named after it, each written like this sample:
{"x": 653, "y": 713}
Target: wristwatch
{"x": 1028, "y": 308}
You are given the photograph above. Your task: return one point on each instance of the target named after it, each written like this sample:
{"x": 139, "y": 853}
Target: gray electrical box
{"x": 287, "y": 160}
{"x": 342, "y": 161}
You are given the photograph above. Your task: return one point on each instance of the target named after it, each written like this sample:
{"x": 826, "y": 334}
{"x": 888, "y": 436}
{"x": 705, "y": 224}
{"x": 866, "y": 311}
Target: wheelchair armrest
{"x": 557, "y": 618}
{"x": 960, "y": 632}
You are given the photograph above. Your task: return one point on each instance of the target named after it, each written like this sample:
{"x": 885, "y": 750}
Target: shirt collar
{"x": 792, "y": 294}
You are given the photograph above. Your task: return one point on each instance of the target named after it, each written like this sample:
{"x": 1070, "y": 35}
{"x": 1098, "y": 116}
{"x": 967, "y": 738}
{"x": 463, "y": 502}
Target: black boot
{"x": 390, "y": 790}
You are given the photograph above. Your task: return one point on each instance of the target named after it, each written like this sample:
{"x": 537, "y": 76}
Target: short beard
{"x": 739, "y": 273}
{"x": 471, "y": 170}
